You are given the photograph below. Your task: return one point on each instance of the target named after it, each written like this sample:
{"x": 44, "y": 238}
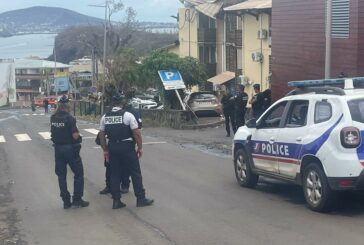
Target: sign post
{"x": 172, "y": 80}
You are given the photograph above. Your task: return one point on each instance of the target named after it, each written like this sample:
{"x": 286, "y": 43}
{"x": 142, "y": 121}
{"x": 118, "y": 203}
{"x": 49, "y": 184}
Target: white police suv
{"x": 312, "y": 137}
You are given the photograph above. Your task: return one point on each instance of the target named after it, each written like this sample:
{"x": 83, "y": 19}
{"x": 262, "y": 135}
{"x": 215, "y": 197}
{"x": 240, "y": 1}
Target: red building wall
{"x": 298, "y": 43}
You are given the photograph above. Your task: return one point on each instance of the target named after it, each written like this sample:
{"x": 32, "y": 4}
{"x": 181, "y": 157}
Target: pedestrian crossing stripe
{"x": 2, "y": 139}
{"x": 45, "y": 135}
{"x": 22, "y": 137}
{"x": 92, "y": 131}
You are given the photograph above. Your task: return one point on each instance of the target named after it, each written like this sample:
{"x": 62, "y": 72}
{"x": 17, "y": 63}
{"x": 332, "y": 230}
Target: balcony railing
{"x": 235, "y": 37}
{"x": 206, "y": 35}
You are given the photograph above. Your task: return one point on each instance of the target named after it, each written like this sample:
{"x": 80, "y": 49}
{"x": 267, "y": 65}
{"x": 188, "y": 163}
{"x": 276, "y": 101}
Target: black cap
{"x": 64, "y": 99}
{"x": 118, "y": 97}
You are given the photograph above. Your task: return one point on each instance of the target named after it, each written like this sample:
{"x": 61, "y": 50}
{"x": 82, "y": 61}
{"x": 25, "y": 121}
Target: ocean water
{"x": 22, "y": 46}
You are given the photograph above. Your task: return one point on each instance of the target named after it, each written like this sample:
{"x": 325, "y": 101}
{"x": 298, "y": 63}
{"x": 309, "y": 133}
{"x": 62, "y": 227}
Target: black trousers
{"x": 123, "y": 158}
{"x": 239, "y": 118}
{"x": 69, "y": 155}
{"x": 229, "y": 118}
{"x": 125, "y": 182}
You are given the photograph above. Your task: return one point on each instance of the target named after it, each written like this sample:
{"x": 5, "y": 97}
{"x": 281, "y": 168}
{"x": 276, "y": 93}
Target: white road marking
{"x": 26, "y": 114}
{"x": 45, "y": 135}
{"x": 35, "y": 114}
{"x": 155, "y": 143}
{"x": 92, "y": 131}
{"x": 2, "y": 139}
{"x": 41, "y": 114}
{"x": 90, "y": 137}
{"x": 22, "y": 137}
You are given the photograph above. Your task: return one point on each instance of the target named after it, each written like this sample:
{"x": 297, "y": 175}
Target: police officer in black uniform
{"x": 125, "y": 175}
{"x": 257, "y": 102}
{"x": 241, "y": 99}
{"x": 121, "y": 128}
{"x": 228, "y": 106}
{"x": 67, "y": 145}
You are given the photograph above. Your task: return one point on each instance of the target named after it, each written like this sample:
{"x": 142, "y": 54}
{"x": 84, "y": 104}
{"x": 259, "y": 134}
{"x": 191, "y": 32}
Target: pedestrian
{"x": 228, "y": 106}
{"x": 121, "y": 128}
{"x": 45, "y": 104}
{"x": 257, "y": 102}
{"x": 67, "y": 145}
{"x": 241, "y": 99}
{"x": 125, "y": 175}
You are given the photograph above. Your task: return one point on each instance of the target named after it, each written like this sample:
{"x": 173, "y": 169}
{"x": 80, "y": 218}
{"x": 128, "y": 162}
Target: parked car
{"x": 203, "y": 102}
{"x": 143, "y": 104}
{"x": 312, "y": 137}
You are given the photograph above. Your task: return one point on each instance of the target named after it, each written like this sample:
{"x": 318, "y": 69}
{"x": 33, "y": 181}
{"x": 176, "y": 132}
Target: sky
{"x": 147, "y": 10}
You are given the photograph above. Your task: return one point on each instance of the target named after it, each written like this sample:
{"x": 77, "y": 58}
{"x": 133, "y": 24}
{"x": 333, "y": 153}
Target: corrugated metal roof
{"x": 34, "y": 64}
{"x": 211, "y": 7}
{"x": 222, "y": 78}
{"x": 251, "y": 5}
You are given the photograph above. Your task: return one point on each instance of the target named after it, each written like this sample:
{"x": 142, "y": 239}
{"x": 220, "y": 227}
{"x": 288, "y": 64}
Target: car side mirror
{"x": 252, "y": 123}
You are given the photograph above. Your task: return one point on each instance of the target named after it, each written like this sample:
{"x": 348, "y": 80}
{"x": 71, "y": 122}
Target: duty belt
{"x": 121, "y": 141}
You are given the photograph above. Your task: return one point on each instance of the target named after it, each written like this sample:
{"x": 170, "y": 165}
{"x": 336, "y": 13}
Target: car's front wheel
{"x": 243, "y": 172}
{"x": 319, "y": 197}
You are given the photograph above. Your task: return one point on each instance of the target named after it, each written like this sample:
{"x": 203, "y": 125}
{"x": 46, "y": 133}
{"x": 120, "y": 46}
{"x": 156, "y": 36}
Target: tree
{"x": 192, "y": 71}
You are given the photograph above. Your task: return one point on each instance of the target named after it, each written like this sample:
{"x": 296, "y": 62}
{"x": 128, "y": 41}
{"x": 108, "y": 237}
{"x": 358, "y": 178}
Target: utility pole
{"x": 55, "y": 68}
{"x": 105, "y": 47}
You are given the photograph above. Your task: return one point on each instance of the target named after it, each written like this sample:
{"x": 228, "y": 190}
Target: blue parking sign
{"x": 171, "y": 79}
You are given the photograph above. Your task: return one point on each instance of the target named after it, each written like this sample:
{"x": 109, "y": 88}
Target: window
{"x": 297, "y": 116}
{"x": 340, "y": 18}
{"x": 357, "y": 110}
{"x": 273, "y": 117}
{"x": 323, "y": 111}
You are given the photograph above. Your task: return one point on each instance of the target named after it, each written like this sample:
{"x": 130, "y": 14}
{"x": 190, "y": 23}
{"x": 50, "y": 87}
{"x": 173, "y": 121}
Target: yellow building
{"x": 256, "y": 37}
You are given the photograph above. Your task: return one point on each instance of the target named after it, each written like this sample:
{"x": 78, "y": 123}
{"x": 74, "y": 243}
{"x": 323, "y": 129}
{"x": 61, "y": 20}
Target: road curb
{"x": 201, "y": 126}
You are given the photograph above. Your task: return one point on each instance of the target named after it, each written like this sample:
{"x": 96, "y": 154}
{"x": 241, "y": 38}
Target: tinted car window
{"x": 297, "y": 116}
{"x": 357, "y": 110}
{"x": 323, "y": 111}
{"x": 273, "y": 117}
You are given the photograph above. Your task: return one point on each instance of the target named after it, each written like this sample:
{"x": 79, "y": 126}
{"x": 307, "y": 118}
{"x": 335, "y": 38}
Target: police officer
{"x": 228, "y": 106}
{"x": 67, "y": 145}
{"x": 121, "y": 128}
{"x": 125, "y": 175}
{"x": 257, "y": 102}
{"x": 241, "y": 99}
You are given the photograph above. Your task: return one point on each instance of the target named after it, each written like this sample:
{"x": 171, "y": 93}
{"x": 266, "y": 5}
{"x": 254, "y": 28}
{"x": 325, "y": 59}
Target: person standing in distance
{"x": 67, "y": 145}
{"x": 121, "y": 128}
{"x": 45, "y": 104}
{"x": 241, "y": 99}
{"x": 257, "y": 102}
{"x": 227, "y": 102}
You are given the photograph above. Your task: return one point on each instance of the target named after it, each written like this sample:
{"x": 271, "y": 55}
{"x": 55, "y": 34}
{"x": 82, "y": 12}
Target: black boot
{"x": 124, "y": 190}
{"x": 142, "y": 202}
{"x": 79, "y": 203}
{"x": 67, "y": 204}
{"x": 106, "y": 190}
{"x": 117, "y": 204}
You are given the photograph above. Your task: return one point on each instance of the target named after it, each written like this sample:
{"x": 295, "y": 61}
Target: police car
{"x": 312, "y": 137}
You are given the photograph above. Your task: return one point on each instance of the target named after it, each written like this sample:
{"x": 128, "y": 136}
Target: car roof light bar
{"x": 348, "y": 82}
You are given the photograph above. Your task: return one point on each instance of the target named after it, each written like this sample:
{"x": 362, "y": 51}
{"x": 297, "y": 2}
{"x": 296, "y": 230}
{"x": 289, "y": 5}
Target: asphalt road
{"x": 197, "y": 200}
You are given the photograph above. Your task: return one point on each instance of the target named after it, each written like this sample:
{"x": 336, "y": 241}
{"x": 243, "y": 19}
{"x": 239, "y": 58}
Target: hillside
{"x": 75, "y": 43}
{"x": 43, "y": 19}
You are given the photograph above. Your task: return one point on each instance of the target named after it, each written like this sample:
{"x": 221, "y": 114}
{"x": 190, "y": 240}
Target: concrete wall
{"x": 188, "y": 32}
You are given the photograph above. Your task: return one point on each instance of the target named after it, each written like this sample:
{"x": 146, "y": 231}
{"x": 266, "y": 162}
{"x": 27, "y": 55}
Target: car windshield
{"x": 203, "y": 96}
{"x": 357, "y": 110}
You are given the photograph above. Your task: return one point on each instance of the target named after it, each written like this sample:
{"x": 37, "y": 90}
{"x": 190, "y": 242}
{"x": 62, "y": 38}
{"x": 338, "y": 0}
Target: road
{"x": 197, "y": 200}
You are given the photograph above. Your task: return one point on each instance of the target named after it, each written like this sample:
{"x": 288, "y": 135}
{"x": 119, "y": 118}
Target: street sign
{"x": 171, "y": 79}
{"x": 93, "y": 90}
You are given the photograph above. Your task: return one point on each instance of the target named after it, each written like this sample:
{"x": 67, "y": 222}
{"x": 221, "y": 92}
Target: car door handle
{"x": 299, "y": 139}
{"x": 272, "y": 140}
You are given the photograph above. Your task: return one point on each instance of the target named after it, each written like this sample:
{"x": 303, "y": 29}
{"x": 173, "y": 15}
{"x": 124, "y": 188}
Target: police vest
{"x": 61, "y": 129}
{"x": 115, "y": 129}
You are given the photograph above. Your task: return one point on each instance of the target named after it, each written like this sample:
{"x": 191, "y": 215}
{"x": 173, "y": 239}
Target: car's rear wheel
{"x": 243, "y": 172}
{"x": 319, "y": 197}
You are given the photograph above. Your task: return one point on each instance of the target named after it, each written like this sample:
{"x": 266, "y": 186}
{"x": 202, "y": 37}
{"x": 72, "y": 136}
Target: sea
{"x": 30, "y": 45}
